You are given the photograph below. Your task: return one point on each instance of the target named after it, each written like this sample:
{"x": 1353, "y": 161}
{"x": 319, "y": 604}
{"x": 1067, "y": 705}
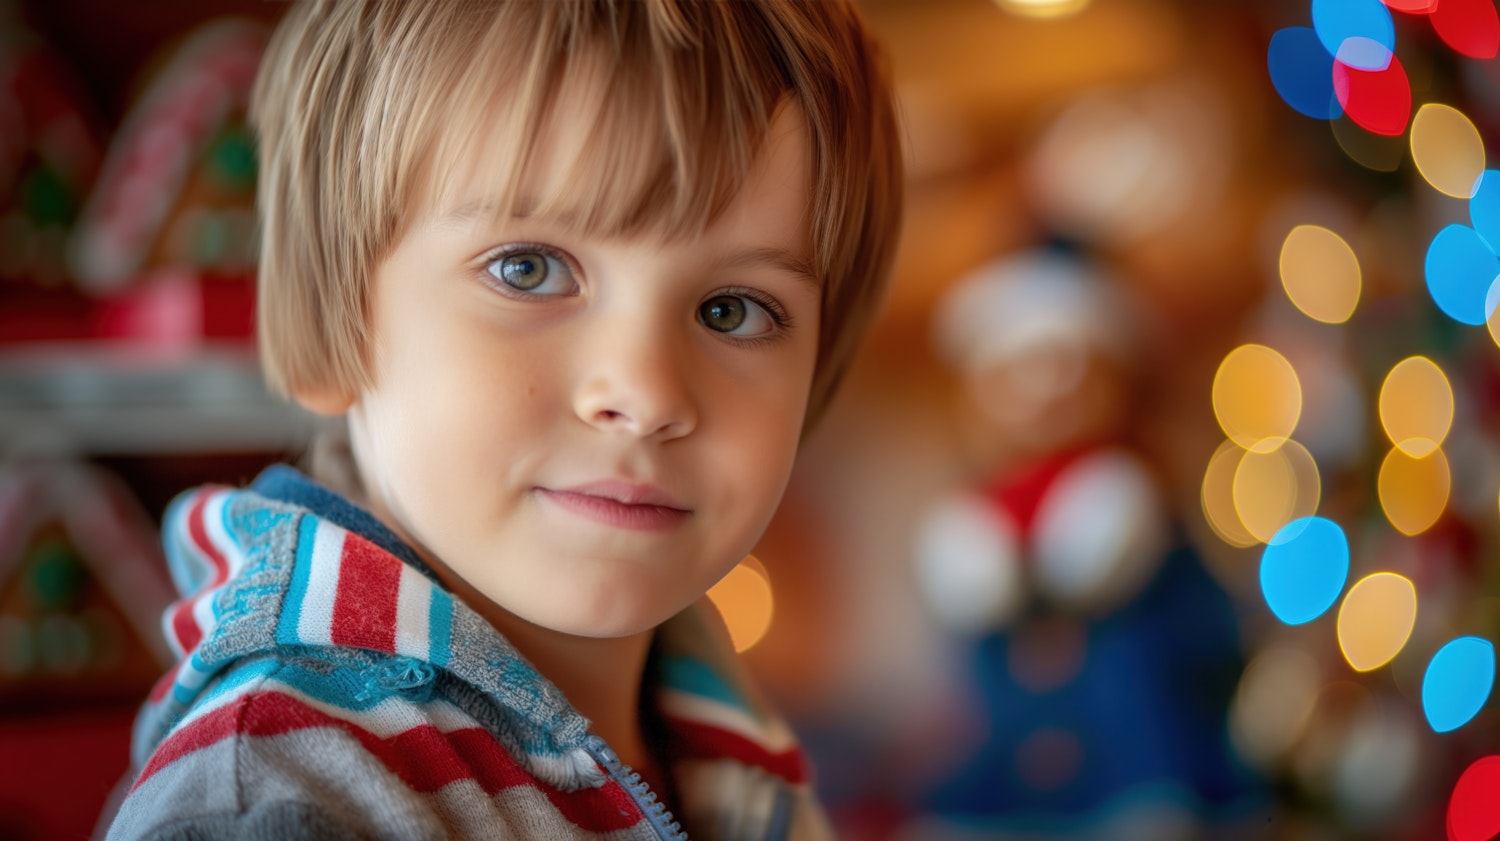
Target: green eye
{"x": 524, "y": 271}
{"x": 724, "y": 314}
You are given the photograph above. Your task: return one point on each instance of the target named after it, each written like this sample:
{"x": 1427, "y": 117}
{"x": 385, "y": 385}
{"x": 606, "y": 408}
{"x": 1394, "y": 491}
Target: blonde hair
{"x": 358, "y": 105}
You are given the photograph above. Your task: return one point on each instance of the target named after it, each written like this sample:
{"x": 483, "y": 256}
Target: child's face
{"x": 591, "y": 432}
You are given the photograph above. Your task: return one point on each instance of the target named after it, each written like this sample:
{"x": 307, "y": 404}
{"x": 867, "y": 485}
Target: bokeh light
{"x": 1273, "y": 703}
{"x": 1218, "y": 496}
{"x": 1447, "y": 149}
{"x": 1376, "y": 620}
{"x": 1415, "y": 7}
{"x": 1359, "y": 32}
{"x": 1469, "y": 27}
{"x": 1257, "y": 398}
{"x": 1458, "y": 682}
{"x": 1305, "y": 565}
{"x": 1378, "y": 100}
{"x": 1414, "y": 491}
{"x": 744, "y": 599}
{"x": 1320, "y": 273}
{"x": 1416, "y": 406}
{"x": 1043, "y": 8}
{"x": 1474, "y": 809}
{"x": 1304, "y": 568}
{"x": 1272, "y": 489}
{"x": 1460, "y": 270}
{"x": 1302, "y": 72}
{"x": 1484, "y": 208}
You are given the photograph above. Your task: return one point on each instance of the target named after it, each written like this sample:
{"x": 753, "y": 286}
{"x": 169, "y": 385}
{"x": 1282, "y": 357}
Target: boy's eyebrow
{"x": 481, "y": 208}
{"x": 774, "y": 258}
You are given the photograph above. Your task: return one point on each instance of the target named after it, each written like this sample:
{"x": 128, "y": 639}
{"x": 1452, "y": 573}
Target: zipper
{"x": 656, "y": 812}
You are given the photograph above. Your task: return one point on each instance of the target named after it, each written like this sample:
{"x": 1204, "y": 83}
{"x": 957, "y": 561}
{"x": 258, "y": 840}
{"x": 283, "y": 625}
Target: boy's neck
{"x": 600, "y": 677}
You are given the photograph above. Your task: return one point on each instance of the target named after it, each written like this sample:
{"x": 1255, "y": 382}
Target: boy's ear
{"x": 330, "y": 400}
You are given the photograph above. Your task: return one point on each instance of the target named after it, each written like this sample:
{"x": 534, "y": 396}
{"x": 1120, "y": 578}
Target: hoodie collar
{"x": 354, "y": 584}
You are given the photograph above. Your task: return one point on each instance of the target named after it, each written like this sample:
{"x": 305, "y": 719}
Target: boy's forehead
{"x": 584, "y": 166}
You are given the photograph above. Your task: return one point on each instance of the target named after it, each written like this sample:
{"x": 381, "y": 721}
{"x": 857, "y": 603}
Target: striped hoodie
{"x": 329, "y": 687}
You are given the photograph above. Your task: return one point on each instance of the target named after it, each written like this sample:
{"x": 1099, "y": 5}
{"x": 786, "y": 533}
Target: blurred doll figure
{"x": 1099, "y": 655}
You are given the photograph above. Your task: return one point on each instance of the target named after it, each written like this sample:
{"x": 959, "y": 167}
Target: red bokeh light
{"x": 1414, "y": 7}
{"x": 1378, "y": 101}
{"x": 1470, "y": 27}
{"x": 1474, "y": 811}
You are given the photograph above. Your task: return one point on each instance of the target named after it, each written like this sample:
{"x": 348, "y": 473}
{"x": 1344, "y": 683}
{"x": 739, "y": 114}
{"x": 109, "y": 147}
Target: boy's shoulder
{"x": 318, "y": 665}
{"x": 379, "y": 746}
{"x": 287, "y": 575}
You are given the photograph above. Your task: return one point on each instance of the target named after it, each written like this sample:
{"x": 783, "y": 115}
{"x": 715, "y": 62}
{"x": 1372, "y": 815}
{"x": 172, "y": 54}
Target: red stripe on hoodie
{"x": 198, "y": 530}
{"x": 364, "y": 608}
{"x": 425, "y": 758}
{"x": 695, "y": 740}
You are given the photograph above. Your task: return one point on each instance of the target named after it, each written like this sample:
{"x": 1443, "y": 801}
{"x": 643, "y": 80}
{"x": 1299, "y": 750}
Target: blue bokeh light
{"x": 1484, "y": 208}
{"x": 1304, "y": 568}
{"x": 1458, "y": 682}
{"x": 1302, "y": 73}
{"x": 1460, "y": 269}
{"x": 1360, "y": 32}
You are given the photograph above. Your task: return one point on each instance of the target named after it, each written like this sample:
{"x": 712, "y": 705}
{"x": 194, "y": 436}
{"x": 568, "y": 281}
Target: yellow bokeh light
{"x": 1416, "y": 405}
{"x": 1257, "y": 398}
{"x": 1218, "y": 496}
{"x": 744, "y": 599}
{"x": 1493, "y": 324}
{"x": 1414, "y": 491}
{"x": 1272, "y": 489}
{"x": 1376, "y": 620}
{"x": 1447, "y": 149}
{"x": 1043, "y": 8}
{"x": 1320, "y": 273}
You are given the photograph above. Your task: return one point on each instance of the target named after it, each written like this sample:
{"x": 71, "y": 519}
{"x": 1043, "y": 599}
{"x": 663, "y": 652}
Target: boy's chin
{"x": 617, "y": 620}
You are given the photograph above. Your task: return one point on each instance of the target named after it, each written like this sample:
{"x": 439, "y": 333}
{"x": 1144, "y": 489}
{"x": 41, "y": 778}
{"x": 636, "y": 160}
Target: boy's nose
{"x": 637, "y": 387}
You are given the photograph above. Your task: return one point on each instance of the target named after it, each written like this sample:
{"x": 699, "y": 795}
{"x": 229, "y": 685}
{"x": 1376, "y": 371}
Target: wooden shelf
{"x": 100, "y": 399}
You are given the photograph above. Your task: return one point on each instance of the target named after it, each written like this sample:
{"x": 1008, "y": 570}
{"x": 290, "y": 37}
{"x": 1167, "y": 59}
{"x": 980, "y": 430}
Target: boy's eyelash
{"x": 510, "y": 248}
{"x": 772, "y": 306}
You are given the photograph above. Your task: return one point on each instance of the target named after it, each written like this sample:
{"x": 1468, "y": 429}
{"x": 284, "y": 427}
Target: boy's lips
{"x": 625, "y": 505}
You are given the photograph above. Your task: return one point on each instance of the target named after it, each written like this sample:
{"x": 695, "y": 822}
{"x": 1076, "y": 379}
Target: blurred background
{"x": 1160, "y": 504}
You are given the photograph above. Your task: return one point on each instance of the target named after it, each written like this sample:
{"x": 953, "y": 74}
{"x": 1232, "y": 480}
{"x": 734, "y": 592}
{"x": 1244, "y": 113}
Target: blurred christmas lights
{"x": 1461, "y": 270}
{"x": 1458, "y": 682}
{"x": 744, "y": 599}
{"x": 1376, "y": 620}
{"x": 1274, "y": 488}
{"x": 1414, "y": 491}
{"x": 1043, "y": 8}
{"x": 1303, "y": 569}
{"x": 1447, "y": 149}
{"x": 1474, "y": 810}
{"x": 1359, "y": 33}
{"x": 1346, "y": 70}
{"x": 1378, "y": 100}
{"x": 1218, "y": 496}
{"x": 1469, "y": 27}
{"x": 1320, "y": 273}
{"x": 1416, "y": 406}
{"x": 1257, "y": 397}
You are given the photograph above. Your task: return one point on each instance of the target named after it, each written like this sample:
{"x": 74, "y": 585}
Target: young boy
{"x": 578, "y": 275}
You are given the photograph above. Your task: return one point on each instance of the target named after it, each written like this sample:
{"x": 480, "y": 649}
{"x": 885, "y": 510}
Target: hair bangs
{"x": 659, "y": 138}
